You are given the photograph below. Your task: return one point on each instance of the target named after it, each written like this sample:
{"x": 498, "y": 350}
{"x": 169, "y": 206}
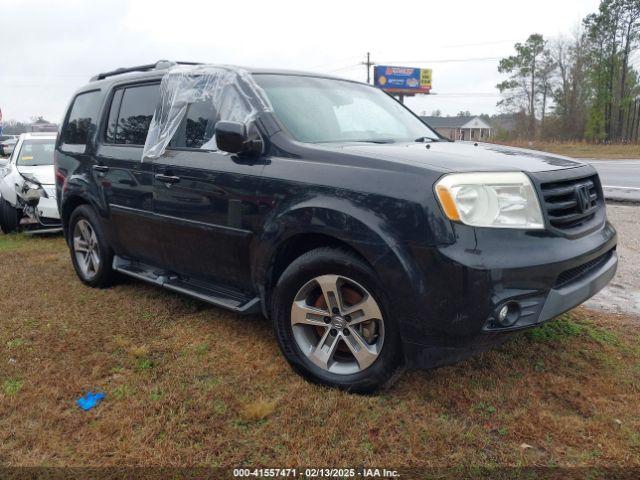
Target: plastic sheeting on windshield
{"x": 231, "y": 93}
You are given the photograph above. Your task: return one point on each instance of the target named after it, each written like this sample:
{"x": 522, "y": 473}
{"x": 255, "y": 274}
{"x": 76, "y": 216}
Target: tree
{"x": 571, "y": 92}
{"x": 613, "y": 35}
{"x": 630, "y": 32}
{"x": 546, "y": 70}
{"x": 523, "y": 87}
{"x": 587, "y": 83}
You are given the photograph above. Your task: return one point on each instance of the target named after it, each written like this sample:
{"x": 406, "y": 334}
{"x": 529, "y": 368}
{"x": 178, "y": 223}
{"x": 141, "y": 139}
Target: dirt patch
{"x": 190, "y": 384}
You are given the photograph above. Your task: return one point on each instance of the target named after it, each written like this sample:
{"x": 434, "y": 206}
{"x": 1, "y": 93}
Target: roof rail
{"x": 159, "y": 65}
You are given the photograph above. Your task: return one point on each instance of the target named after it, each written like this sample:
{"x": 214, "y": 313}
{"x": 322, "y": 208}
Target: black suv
{"x": 367, "y": 239}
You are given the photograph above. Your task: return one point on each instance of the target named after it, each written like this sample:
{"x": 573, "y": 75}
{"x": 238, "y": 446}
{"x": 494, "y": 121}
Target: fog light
{"x": 508, "y": 314}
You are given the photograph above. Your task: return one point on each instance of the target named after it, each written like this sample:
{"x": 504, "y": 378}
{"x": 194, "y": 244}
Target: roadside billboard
{"x": 402, "y": 80}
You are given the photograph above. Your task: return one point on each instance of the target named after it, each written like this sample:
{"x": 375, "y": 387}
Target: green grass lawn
{"x": 583, "y": 149}
{"x": 190, "y": 384}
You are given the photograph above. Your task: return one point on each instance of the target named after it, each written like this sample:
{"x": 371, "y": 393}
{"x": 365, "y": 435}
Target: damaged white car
{"x": 27, "y": 186}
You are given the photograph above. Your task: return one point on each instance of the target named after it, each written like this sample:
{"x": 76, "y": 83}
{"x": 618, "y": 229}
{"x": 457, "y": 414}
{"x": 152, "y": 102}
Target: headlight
{"x": 492, "y": 199}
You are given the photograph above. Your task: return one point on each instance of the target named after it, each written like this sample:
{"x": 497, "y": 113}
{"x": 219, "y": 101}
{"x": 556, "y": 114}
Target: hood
{"x": 461, "y": 156}
{"x": 45, "y": 174}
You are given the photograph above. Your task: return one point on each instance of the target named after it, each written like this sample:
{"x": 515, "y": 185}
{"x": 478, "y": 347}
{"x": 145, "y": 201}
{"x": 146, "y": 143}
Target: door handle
{"x": 169, "y": 179}
{"x": 101, "y": 168}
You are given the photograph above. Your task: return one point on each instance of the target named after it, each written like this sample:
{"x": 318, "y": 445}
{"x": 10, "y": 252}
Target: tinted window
{"x": 36, "y": 152}
{"x": 198, "y": 126}
{"x": 110, "y": 135}
{"x": 81, "y": 123}
{"x": 136, "y": 112}
{"x": 197, "y": 129}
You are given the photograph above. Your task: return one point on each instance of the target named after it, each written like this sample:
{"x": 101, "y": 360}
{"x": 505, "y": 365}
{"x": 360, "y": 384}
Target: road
{"x": 622, "y": 295}
{"x": 620, "y": 178}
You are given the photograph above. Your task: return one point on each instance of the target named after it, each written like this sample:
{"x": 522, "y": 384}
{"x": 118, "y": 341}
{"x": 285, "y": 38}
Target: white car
{"x": 27, "y": 186}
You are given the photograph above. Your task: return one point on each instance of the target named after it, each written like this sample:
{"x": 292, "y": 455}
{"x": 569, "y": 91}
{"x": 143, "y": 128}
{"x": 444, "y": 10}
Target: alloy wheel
{"x": 337, "y": 324}
{"x": 86, "y": 249}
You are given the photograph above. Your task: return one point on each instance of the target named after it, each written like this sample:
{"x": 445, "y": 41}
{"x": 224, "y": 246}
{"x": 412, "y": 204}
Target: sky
{"x": 50, "y": 48}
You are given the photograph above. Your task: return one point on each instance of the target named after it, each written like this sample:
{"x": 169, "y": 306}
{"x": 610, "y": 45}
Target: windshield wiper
{"x": 382, "y": 140}
{"x": 427, "y": 139}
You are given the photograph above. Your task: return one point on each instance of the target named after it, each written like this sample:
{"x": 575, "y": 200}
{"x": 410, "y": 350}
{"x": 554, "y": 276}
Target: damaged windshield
{"x": 36, "y": 152}
{"x": 318, "y": 110}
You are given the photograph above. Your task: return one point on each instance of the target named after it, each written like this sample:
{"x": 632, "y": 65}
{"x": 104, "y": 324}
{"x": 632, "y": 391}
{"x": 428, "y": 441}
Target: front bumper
{"x": 540, "y": 274}
{"x": 574, "y": 293}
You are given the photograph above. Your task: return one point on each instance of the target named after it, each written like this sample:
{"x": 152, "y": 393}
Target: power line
{"x": 479, "y": 44}
{"x": 37, "y": 85}
{"x": 347, "y": 67}
{"x": 45, "y": 75}
{"x": 466, "y": 94}
{"x": 446, "y": 60}
{"x": 337, "y": 62}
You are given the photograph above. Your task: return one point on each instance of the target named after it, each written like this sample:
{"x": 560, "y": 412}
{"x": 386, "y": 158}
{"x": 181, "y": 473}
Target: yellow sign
{"x": 425, "y": 78}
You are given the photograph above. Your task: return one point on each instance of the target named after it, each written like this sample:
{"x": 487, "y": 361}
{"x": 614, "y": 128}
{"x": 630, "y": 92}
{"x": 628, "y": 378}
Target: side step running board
{"x": 206, "y": 292}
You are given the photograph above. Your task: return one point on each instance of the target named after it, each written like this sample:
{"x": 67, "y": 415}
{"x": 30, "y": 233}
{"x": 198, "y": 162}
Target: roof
{"x": 161, "y": 66}
{"x": 455, "y": 122}
{"x": 154, "y": 72}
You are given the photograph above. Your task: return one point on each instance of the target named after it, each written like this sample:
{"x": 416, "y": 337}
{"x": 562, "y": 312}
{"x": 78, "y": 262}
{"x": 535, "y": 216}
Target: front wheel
{"x": 332, "y": 322}
{"x": 91, "y": 255}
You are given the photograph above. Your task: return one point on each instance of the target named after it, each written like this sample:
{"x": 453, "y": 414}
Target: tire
{"x": 9, "y": 217}
{"x": 303, "y": 322}
{"x": 91, "y": 255}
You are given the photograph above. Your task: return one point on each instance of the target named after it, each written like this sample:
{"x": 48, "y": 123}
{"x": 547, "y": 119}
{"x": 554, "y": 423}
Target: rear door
{"x": 208, "y": 204}
{"x": 127, "y": 183}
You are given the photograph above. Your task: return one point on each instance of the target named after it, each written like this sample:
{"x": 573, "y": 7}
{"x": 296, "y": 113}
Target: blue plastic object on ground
{"x": 90, "y": 400}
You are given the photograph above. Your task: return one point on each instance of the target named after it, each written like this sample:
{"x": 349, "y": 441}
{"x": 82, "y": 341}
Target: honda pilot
{"x": 368, "y": 240}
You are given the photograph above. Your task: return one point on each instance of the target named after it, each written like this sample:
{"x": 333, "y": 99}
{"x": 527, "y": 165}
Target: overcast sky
{"x": 50, "y": 48}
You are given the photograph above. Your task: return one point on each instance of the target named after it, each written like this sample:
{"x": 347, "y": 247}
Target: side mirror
{"x": 233, "y": 137}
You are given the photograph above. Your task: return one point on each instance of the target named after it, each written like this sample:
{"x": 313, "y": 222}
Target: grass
{"x": 582, "y": 149}
{"x": 11, "y": 386}
{"x": 190, "y": 384}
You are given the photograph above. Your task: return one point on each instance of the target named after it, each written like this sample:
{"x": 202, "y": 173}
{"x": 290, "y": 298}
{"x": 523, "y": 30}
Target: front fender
{"x": 8, "y": 187}
{"x": 340, "y": 218}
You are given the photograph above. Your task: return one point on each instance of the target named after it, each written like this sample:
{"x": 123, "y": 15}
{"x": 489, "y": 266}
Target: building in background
{"x": 460, "y": 128}
{"x": 42, "y": 125}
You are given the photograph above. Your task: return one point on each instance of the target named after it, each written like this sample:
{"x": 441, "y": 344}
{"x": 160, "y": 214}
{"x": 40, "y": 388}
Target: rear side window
{"x": 131, "y": 113}
{"x": 81, "y": 123}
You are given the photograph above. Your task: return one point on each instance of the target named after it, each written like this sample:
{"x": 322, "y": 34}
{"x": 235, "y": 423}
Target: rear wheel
{"x": 9, "y": 217}
{"x": 91, "y": 255}
{"x": 332, "y": 322}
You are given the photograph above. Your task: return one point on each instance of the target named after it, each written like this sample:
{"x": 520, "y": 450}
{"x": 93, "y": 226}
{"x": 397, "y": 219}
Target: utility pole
{"x": 368, "y": 64}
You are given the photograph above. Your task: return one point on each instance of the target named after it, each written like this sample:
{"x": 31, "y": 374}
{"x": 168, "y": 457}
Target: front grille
{"x": 576, "y": 272}
{"x": 564, "y": 208}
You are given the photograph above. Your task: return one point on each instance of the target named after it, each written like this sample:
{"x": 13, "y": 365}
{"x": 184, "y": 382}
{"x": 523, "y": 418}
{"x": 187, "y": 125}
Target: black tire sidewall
{"x": 325, "y": 261}
{"x": 105, "y": 273}
{"x": 8, "y": 217}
